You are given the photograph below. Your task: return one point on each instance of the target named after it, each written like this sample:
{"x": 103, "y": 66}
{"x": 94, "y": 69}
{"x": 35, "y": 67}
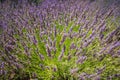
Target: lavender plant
{"x": 59, "y": 40}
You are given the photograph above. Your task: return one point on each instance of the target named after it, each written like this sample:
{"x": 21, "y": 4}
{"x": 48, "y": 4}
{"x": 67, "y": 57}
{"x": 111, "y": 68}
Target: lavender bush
{"x": 59, "y": 40}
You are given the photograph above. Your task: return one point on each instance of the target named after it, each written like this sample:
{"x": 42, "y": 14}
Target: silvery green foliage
{"x": 59, "y": 40}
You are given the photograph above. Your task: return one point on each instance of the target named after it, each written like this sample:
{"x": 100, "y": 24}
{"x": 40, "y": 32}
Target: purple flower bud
{"x": 2, "y": 65}
{"x": 99, "y": 71}
{"x": 50, "y": 41}
{"x": 54, "y": 44}
{"x": 69, "y": 57}
{"x": 41, "y": 65}
{"x": 55, "y": 31}
{"x": 19, "y": 66}
{"x": 34, "y": 75}
{"x": 80, "y": 29}
{"x": 48, "y": 50}
{"x": 108, "y": 14}
{"x": 117, "y": 75}
{"x": 62, "y": 53}
{"x": 63, "y": 38}
{"x": 78, "y": 53}
{"x": 107, "y": 40}
{"x": 34, "y": 40}
{"x": 74, "y": 34}
{"x": 101, "y": 36}
{"x": 73, "y": 46}
{"x": 41, "y": 56}
{"x": 54, "y": 69}
{"x": 72, "y": 71}
{"x": 48, "y": 67}
{"x": 117, "y": 44}
{"x": 81, "y": 59}
{"x": 70, "y": 29}
{"x": 100, "y": 25}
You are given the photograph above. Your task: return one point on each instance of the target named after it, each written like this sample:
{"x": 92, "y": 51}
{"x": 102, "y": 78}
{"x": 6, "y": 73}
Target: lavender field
{"x": 60, "y": 40}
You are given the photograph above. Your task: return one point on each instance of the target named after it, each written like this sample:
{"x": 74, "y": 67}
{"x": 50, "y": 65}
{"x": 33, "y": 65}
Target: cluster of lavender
{"x": 59, "y": 40}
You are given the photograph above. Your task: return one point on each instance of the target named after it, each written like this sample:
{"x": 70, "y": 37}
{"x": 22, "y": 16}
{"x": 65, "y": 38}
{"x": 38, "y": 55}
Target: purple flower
{"x": 34, "y": 40}
{"x": 112, "y": 34}
{"x": 73, "y": 46}
{"x": 48, "y": 50}
{"x": 41, "y": 56}
{"x": 74, "y": 70}
{"x": 117, "y": 44}
{"x": 63, "y": 38}
{"x": 69, "y": 57}
{"x": 55, "y": 31}
{"x": 2, "y": 65}
{"x": 41, "y": 65}
{"x": 62, "y": 53}
{"x": 81, "y": 59}
{"x": 54, "y": 69}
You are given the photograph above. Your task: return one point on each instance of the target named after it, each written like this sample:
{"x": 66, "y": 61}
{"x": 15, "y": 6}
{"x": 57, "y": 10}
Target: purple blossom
{"x": 81, "y": 59}
{"x": 109, "y": 36}
{"x": 62, "y": 53}
{"x": 63, "y": 38}
{"x": 41, "y": 56}
{"x": 54, "y": 69}
{"x": 73, "y": 46}
{"x": 117, "y": 44}
{"x": 48, "y": 50}
{"x": 34, "y": 40}
{"x": 74, "y": 70}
